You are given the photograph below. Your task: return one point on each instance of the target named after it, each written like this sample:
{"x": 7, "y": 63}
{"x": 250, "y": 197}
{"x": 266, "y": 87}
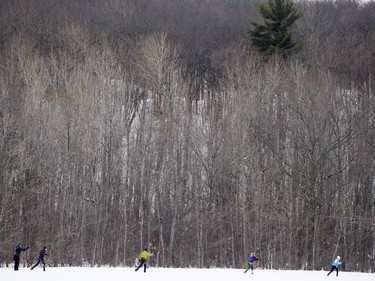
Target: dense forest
{"x": 127, "y": 124}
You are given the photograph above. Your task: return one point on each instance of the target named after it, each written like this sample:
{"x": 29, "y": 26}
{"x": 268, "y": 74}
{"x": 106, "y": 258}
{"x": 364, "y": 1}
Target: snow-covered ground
{"x": 172, "y": 274}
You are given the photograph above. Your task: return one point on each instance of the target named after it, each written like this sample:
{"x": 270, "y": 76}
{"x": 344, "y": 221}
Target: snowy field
{"x": 172, "y": 274}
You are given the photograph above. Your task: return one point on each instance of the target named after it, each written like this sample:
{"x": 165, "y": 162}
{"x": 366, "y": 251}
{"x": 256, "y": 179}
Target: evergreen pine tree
{"x": 275, "y": 36}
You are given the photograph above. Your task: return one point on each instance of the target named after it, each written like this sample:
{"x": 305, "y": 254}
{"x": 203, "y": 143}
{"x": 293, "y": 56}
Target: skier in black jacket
{"x": 17, "y": 254}
{"x": 41, "y": 259}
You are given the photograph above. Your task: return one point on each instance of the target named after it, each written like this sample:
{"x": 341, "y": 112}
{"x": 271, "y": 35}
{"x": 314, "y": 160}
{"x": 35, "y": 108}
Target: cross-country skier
{"x": 17, "y": 254}
{"x": 335, "y": 266}
{"x": 142, "y": 259}
{"x": 252, "y": 259}
{"x": 42, "y": 253}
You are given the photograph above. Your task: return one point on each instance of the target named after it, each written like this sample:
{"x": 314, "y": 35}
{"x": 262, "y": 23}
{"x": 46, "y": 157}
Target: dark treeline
{"x": 133, "y": 123}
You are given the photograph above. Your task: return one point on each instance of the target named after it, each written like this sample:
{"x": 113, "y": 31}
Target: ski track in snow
{"x": 172, "y": 274}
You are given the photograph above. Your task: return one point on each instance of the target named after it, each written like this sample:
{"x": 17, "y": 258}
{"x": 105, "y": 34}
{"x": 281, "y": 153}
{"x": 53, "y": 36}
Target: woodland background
{"x": 126, "y": 124}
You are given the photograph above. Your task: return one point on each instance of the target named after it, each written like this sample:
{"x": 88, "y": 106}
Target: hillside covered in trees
{"x": 133, "y": 123}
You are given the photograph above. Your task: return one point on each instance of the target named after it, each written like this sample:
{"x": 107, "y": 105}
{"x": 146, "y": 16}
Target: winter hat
{"x": 338, "y": 257}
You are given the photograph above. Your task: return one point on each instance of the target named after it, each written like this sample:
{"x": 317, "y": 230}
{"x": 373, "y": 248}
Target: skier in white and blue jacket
{"x": 335, "y": 266}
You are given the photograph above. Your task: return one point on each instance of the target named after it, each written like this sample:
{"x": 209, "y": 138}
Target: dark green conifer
{"x": 275, "y": 35}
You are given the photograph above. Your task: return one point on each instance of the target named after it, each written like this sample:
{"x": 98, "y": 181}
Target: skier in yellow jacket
{"x": 142, "y": 259}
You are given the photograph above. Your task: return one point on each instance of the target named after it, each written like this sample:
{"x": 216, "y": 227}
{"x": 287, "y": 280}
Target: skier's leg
{"x": 332, "y": 269}
{"x": 248, "y": 267}
{"x": 337, "y": 271}
{"x": 35, "y": 265}
{"x": 16, "y": 261}
{"x": 44, "y": 265}
{"x": 144, "y": 267}
{"x": 140, "y": 264}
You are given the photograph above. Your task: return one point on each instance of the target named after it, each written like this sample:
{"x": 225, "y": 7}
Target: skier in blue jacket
{"x": 252, "y": 259}
{"x": 42, "y": 253}
{"x": 17, "y": 254}
{"x": 335, "y": 266}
